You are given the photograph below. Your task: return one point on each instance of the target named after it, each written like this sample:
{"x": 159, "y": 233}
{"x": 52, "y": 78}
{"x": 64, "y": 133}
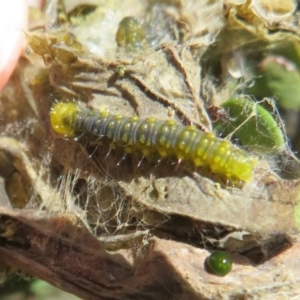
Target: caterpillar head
{"x": 62, "y": 118}
{"x": 242, "y": 168}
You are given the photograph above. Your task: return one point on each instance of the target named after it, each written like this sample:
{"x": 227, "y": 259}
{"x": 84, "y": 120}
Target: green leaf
{"x": 252, "y": 125}
{"x": 278, "y": 78}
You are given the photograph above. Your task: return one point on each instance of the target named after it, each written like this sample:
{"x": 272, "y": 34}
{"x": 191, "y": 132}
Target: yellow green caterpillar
{"x": 152, "y": 136}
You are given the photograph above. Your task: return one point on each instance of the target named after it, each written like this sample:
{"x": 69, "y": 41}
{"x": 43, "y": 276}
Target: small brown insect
{"x": 218, "y": 114}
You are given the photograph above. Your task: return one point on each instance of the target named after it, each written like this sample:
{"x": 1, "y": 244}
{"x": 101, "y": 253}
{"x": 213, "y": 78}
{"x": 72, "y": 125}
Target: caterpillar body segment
{"x": 152, "y": 136}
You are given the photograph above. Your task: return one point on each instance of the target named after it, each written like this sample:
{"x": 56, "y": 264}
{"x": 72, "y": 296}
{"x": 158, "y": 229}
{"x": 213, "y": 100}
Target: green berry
{"x": 130, "y": 34}
{"x": 219, "y": 263}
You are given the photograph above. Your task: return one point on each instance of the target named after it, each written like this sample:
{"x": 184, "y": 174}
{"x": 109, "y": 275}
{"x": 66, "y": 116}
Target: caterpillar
{"x": 152, "y": 136}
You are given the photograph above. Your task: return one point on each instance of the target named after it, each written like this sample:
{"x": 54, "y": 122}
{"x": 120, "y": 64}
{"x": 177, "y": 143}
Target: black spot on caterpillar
{"x": 152, "y": 136}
